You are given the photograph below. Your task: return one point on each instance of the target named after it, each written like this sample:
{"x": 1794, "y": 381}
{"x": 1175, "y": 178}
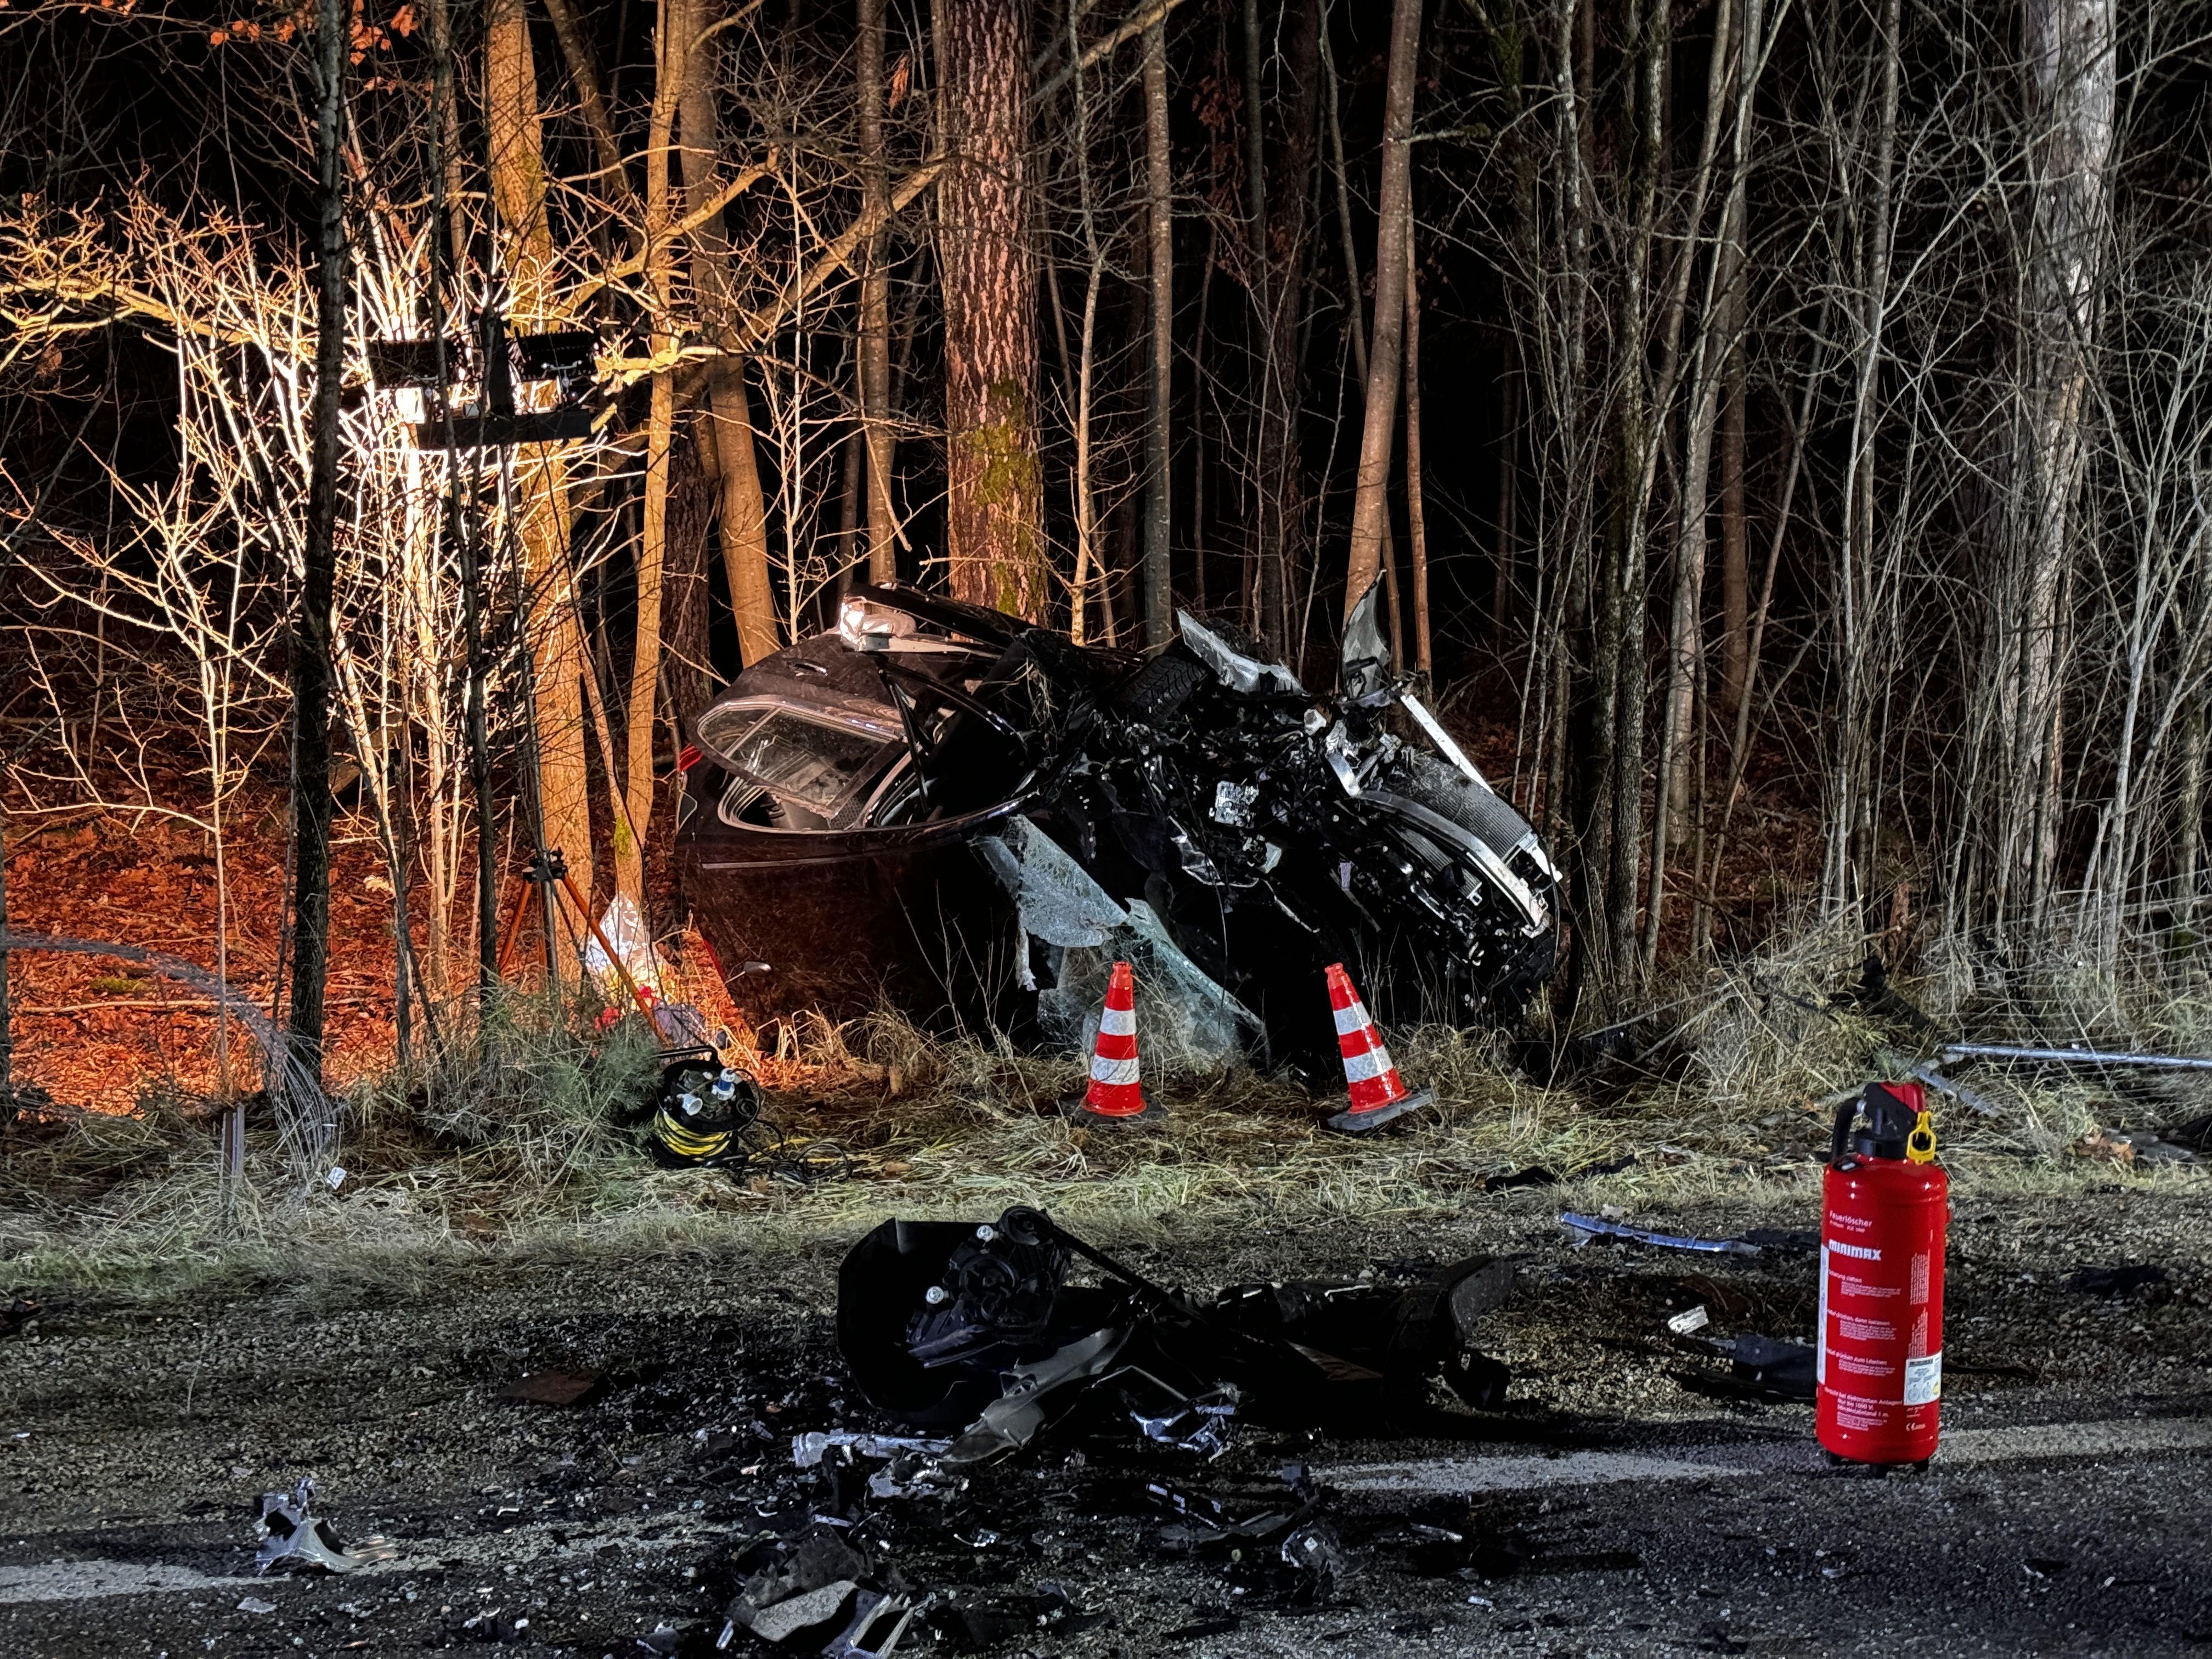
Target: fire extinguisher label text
{"x": 1923, "y": 1379}
{"x": 1860, "y": 1251}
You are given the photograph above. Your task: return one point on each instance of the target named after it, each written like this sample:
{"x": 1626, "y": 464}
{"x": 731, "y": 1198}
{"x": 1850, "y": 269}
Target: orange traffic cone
{"x": 1114, "y": 1094}
{"x": 1377, "y": 1095}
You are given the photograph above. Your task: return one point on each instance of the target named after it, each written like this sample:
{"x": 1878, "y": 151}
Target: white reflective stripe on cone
{"x": 1352, "y": 1020}
{"x": 1103, "y": 1070}
{"x": 1365, "y": 1068}
{"x": 1117, "y": 1022}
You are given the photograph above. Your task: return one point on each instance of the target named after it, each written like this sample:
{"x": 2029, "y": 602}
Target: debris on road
{"x": 22, "y": 1314}
{"x": 1691, "y": 1319}
{"x": 292, "y": 1537}
{"x": 1762, "y": 1368}
{"x": 1589, "y": 1227}
{"x": 947, "y": 1324}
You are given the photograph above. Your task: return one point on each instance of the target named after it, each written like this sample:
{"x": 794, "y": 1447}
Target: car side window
{"x": 822, "y": 771}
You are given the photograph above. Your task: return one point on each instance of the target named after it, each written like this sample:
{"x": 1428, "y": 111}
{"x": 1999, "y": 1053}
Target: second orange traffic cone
{"x": 1114, "y": 1094}
{"x": 1376, "y": 1093}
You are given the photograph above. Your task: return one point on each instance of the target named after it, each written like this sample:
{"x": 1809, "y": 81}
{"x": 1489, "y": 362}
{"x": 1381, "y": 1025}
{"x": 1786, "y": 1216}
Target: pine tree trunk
{"x": 993, "y": 494}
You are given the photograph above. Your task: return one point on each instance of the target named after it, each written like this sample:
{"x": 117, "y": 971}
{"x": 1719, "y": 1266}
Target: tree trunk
{"x": 2070, "y": 104}
{"x": 993, "y": 488}
{"x": 1501, "y": 574}
{"x": 875, "y": 344}
{"x": 311, "y": 633}
{"x": 1159, "y": 580}
{"x": 556, "y": 649}
{"x": 1283, "y": 248}
{"x": 672, "y": 51}
{"x": 1735, "y": 569}
{"x": 7, "y": 1025}
{"x": 742, "y": 514}
{"x": 1719, "y": 323}
{"x": 687, "y": 674}
{"x": 1416, "y": 513}
{"x": 1370, "y": 510}
{"x": 1620, "y": 656}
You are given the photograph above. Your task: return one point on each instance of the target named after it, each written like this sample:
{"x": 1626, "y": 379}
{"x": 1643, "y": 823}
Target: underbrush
{"x": 528, "y": 1138}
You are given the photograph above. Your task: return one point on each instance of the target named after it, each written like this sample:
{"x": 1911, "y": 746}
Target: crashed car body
{"x": 944, "y": 808}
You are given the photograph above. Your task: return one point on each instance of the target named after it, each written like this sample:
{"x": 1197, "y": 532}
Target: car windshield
{"x": 826, "y": 768}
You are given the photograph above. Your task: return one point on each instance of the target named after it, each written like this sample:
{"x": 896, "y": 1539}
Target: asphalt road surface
{"x": 1611, "y": 1509}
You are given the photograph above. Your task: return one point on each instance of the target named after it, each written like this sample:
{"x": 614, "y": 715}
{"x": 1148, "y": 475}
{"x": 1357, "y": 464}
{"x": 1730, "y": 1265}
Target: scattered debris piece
{"x": 1764, "y": 1368}
{"x": 293, "y": 1538}
{"x": 951, "y": 1323}
{"x": 808, "y": 1590}
{"x": 557, "y": 1389}
{"x": 1588, "y": 1227}
{"x": 807, "y": 1449}
{"x": 255, "y": 1604}
{"x": 2075, "y": 1056}
{"x": 21, "y": 1313}
{"x": 877, "y": 1623}
{"x": 1691, "y": 1319}
{"x": 1201, "y": 1425}
{"x": 912, "y": 1468}
{"x": 2119, "y": 1282}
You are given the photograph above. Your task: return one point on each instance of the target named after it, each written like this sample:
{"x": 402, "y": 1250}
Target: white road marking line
{"x": 85, "y": 1581}
{"x": 1472, "y": 1475}
{"x": 1960, "y": 1449}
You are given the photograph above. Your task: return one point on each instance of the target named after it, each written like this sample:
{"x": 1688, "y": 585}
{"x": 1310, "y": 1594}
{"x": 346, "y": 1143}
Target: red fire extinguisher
{"x": 1884, "y": 1211}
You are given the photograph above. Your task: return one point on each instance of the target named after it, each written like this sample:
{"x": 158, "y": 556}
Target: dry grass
{"x": 529, "y": 1143}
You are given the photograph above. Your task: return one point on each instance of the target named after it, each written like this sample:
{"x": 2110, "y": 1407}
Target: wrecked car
{"x": 947, "y": 809}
